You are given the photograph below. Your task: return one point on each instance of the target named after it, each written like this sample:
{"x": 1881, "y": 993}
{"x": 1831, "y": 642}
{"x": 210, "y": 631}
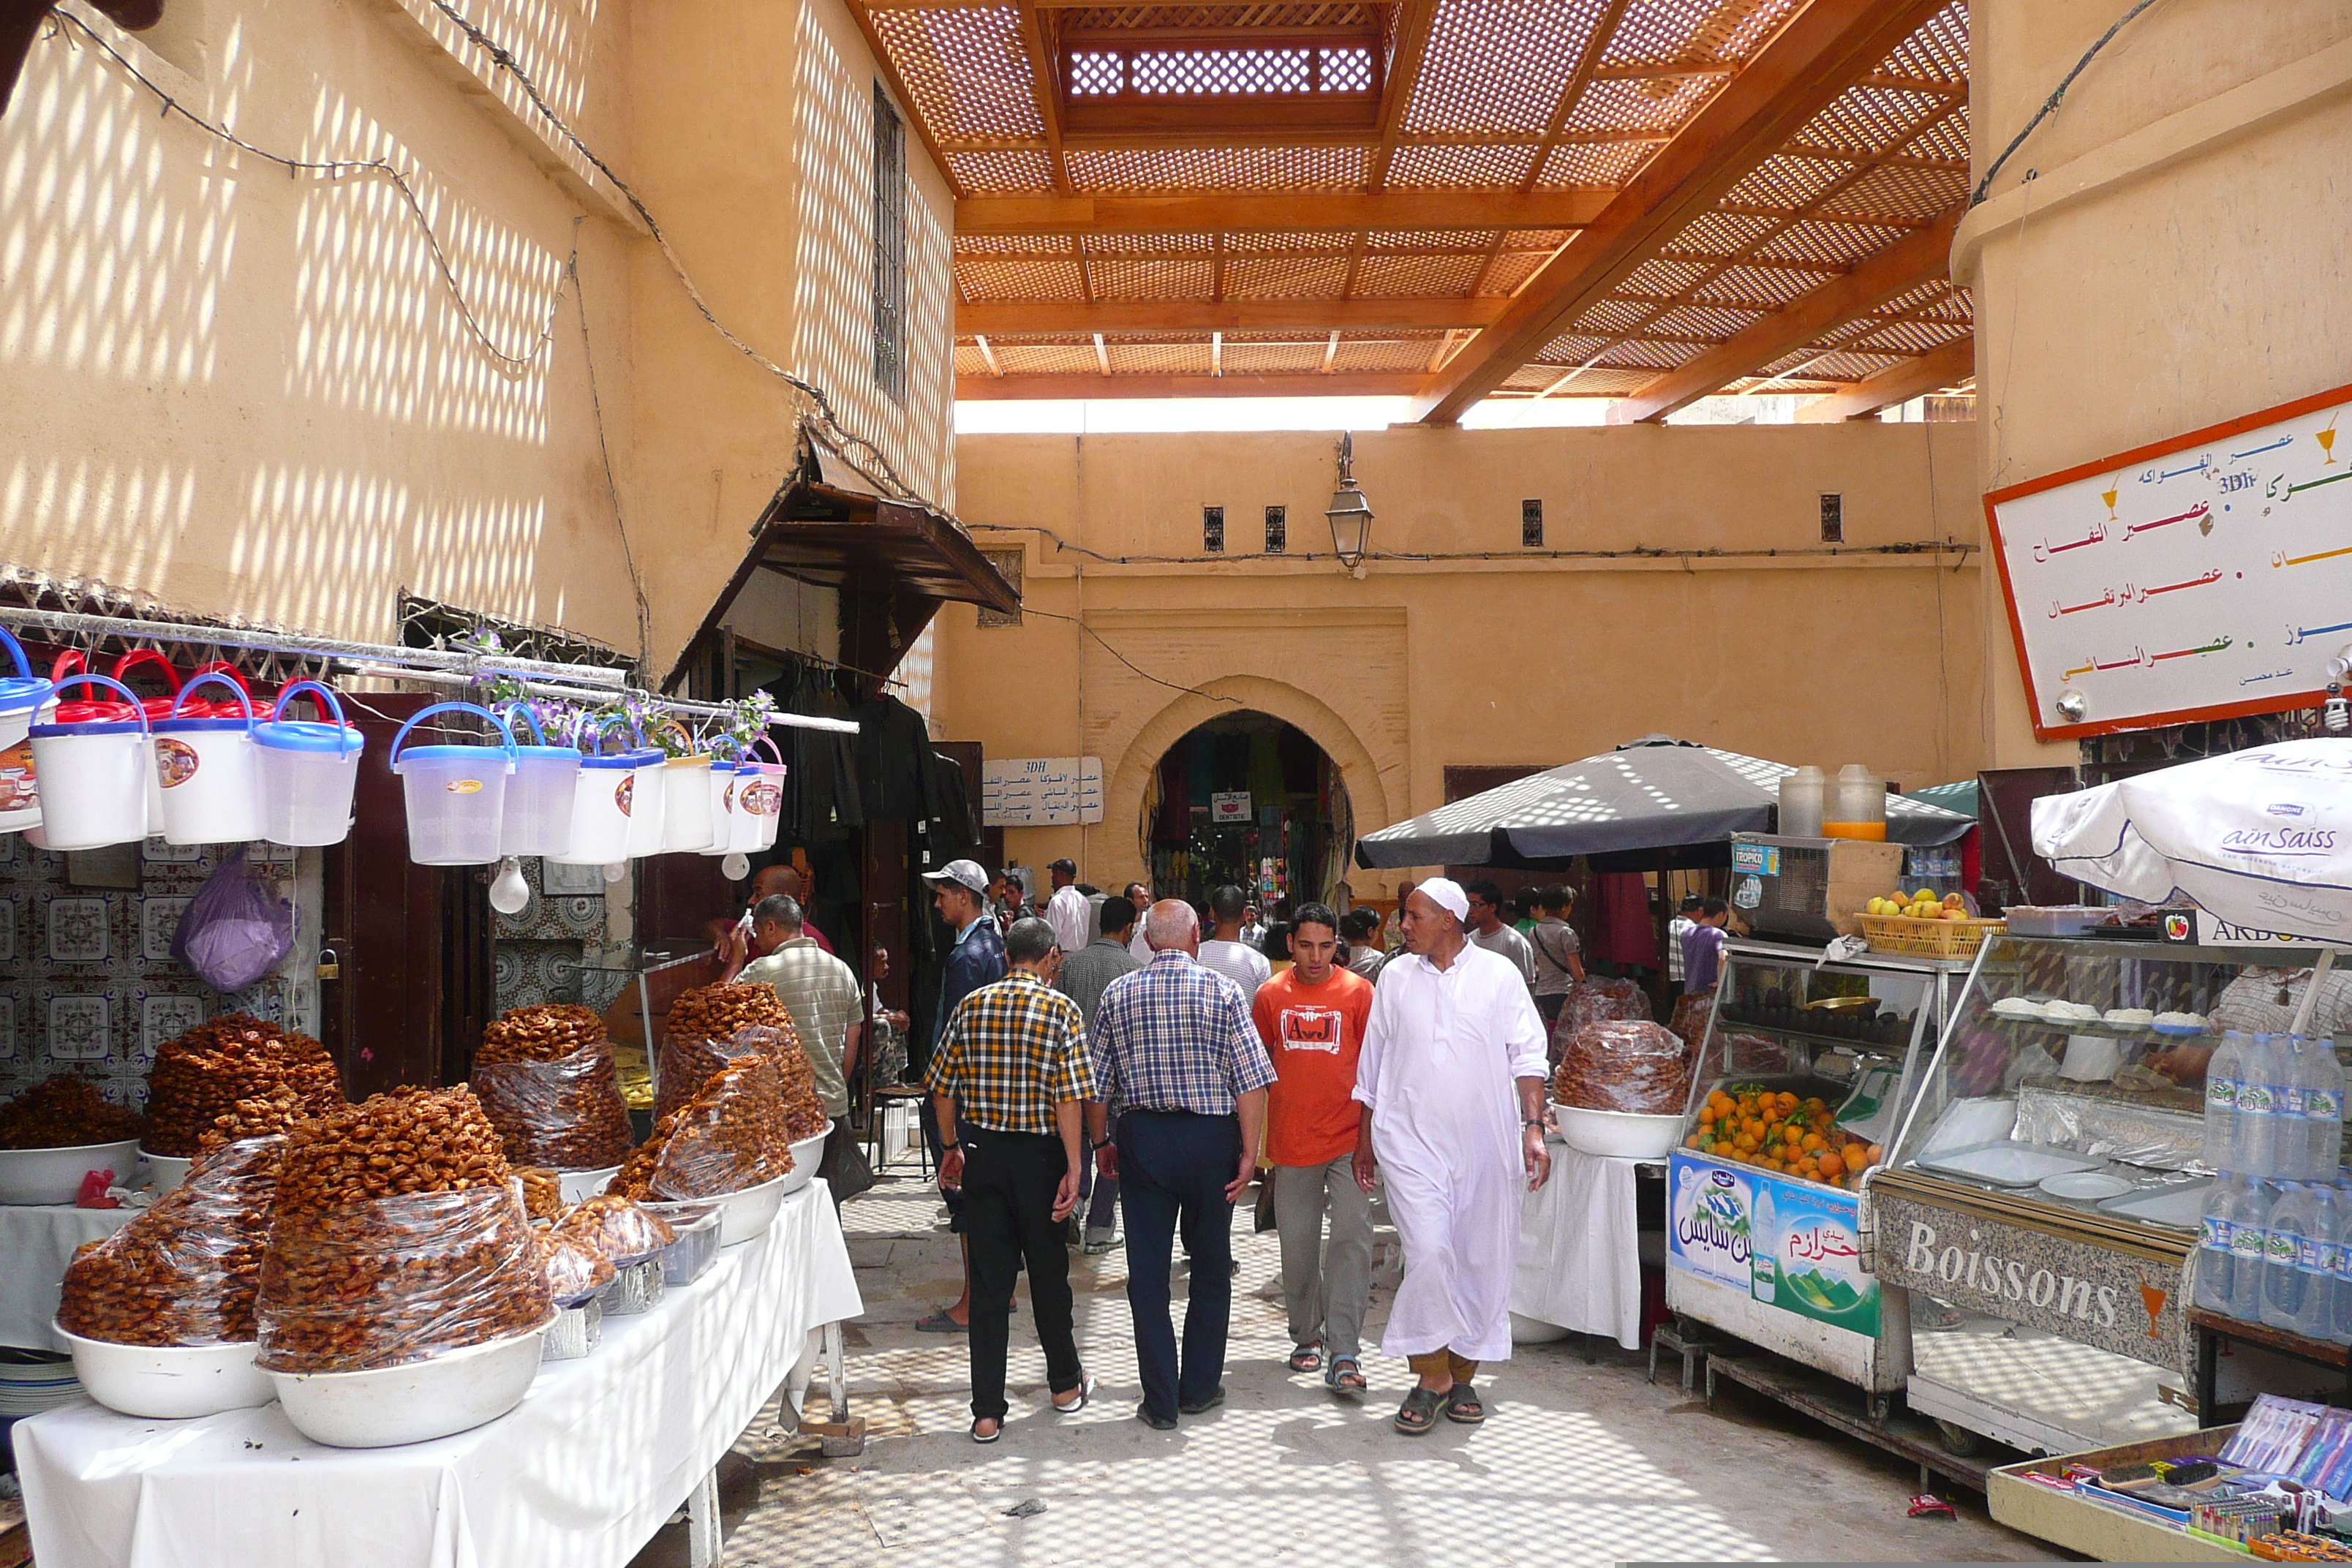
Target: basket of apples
{"x": 1925, "y": 925}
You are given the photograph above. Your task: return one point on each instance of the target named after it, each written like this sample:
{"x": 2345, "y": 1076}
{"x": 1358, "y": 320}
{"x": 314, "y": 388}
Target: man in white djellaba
{"x": 1451, "y": 1077}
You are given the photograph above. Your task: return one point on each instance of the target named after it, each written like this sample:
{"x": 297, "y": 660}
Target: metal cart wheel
{"x": 1959, "y": 1441}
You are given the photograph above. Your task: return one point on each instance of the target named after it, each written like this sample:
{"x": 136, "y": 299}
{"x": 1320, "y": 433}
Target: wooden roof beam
{"x": 1900, "y": 267}
{"x": 1415, "y": 20}
{"x": 1955, "y": 361}
{"x": 1314, "y": 317}
{"x": 1303, "y": 384}
{"x": 1815, "y": 55}
{"x": 1042, "y": 80}
{"x": 1340, "y": 210}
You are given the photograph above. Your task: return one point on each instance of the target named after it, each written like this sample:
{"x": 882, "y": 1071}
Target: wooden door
{"x": 412, "y": 983}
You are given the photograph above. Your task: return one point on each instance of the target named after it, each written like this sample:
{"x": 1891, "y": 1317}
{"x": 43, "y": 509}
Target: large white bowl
{"x": 748, "y": 1214}
{"x": 579, "y": 1186}
{"x": 1617, "y": 1132}
{"x": 54, "y": 1176}
{"x": 171, "y": 1383}
{"x": 807, "y": 1155}
{"x": 169, "y": 1170}
{"x": 415, "y": 1403}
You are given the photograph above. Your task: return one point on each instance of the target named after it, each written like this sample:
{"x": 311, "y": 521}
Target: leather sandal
{"x": 1418, "y": 1413}
{"x": 1462, "y": 1404}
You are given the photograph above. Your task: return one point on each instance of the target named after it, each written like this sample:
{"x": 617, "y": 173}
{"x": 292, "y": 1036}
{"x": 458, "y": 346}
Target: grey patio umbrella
{"x": 1656, "y": 793}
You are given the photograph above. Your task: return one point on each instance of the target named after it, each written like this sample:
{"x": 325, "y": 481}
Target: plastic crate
{"x": 1928, "y": 939}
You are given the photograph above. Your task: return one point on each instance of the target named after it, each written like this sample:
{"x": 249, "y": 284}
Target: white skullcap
{"x": 1447, "y": 895}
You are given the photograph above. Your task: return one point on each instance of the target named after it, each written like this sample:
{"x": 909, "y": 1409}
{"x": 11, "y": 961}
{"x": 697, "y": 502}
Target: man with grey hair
{"x": 827, "y": 1010}
{"x": 1181, "y": 1073}
{"x": 1451, "y": 1077}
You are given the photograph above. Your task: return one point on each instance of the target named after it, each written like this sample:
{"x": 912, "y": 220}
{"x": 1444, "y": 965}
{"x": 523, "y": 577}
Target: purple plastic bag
{"x": 235, "y": 930}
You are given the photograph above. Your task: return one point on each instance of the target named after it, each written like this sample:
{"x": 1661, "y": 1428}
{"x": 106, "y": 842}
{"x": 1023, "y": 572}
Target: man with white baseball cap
{"x": 960, "y": 891}
{"x": 1451, "y": 1077}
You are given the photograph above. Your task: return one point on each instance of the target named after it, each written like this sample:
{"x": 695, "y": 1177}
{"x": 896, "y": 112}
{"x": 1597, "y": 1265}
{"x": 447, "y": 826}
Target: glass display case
{"x": 2042, "y": 1200}
{"x": 1803, "y": 1075}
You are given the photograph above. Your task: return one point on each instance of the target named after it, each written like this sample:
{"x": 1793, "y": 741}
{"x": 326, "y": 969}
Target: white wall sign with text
{"x": 1041, "y": 792}
{"x": 1229, "y": 807}
{"x": 2204, "y": 577}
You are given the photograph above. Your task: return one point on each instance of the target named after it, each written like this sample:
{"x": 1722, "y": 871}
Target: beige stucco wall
{"x": 247, "y": 395}
{"x": 1522, "y": 658}
{"x": 2174, "y": 261}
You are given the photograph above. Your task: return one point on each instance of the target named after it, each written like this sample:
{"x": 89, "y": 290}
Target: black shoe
{"x": 1157, "y": 1423}
{"x": 1216, "y": 1397}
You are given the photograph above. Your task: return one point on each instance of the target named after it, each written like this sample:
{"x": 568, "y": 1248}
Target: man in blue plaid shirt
{"x": 1179, "y": 1068}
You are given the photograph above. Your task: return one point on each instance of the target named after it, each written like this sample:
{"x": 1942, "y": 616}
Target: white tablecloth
{"x": 582, "y": 1473}
{"x": 1580, "y": 1260}
{"x": 35, "y": 1245}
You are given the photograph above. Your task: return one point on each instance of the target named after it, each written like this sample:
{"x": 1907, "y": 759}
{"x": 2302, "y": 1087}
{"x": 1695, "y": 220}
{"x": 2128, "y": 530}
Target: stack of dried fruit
{"x": 804, "y": 1114}
{"x": 615, "y": 1226}
{"x": 65, "y": 1112}
{"x": 710, "y": 1028}
{"x": 730, "y": 1136}
{"x": 186, "y": 1271}
{"x": 396, "y": 1237}
{"x": 542, "y": 1191}
{"x": 1625, "y": 1064}
{"x": 200, "y": 1076}
{"x": 545, "y": 1077}
{"x": 1775, "y": 1131}
{"x": 263, "y": 1116}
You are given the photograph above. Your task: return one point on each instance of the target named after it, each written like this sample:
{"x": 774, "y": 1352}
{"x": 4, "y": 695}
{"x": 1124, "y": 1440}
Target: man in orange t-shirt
{"x": 1311, "y": 1017}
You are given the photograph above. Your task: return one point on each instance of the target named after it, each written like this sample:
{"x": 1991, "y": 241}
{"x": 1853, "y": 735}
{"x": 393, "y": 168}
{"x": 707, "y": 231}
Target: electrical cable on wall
{"x": 1170, "y": 685}
{"x": 2050, "y": 105}
{"x": 1633, "y": 553}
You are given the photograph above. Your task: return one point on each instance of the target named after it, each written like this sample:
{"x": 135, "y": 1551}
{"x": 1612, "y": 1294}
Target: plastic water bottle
{"x": 2288, "y": 1232}
{"x": 2291, "y": 1101}
{"x": 2316, "y": 1261}
{"x": 2222, "y": 1078}
{"x": 2216, "y": 1266}
{"x": 2249, "y": 1245}
{"x": 2257, "y": 1096}
{"x": 2322, "y": 1105}
{"x": 2339, "y": 1328}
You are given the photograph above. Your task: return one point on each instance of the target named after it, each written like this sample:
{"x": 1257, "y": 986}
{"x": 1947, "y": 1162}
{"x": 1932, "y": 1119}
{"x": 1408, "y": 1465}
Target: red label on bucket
{"x": 175, "y": 761}
{"x": 463, "y": 787}
{"x": 726, "y": 798}
{"x": 625, "y": 792}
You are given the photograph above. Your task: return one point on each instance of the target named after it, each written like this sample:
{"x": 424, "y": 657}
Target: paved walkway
{"x": 1576, "y": 1464}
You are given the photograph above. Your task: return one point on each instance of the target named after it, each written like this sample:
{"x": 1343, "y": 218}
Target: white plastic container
{"x": 308, "y": 771}
{"x": 745, "y": 837}
{"x": 211, "y": 773}
{"x": 166, "y": 1171}
{"x": 771, "y": 795}
{"x": 1621, "y": 1133}
{"x": 22, "y": 696}
{"x": 54, "y": 1176}
{"x": 456, "y": 794}
{"x": 97, "y": 771}
{"x": 537, "y": 817}
{"x": 1804, "y": 796}
{"x": 686, "y": 804}
{"x": 602, "y": 794}
{"x": 416, "y": 1401}
{"x": 579, "y": 1186}
{"x": 169, "y": 1382}
{"x": 741, "y": 1215}
{"x": 722, "y": 809}
{"x": 649, "y": 803}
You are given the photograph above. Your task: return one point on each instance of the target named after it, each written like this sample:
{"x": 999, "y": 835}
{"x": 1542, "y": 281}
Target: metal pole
{"x": 296, "y": 642}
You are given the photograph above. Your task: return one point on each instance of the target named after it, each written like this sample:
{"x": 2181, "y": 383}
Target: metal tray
{"x": 2005, "y": 1163}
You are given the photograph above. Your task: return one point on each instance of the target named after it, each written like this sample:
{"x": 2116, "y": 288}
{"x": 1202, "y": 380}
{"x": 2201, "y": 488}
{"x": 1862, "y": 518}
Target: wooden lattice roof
{"x": 1649, "y": 200}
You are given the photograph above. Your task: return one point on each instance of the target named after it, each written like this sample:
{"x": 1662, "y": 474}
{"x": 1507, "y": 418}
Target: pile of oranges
{"x": 1778, "y": 1131}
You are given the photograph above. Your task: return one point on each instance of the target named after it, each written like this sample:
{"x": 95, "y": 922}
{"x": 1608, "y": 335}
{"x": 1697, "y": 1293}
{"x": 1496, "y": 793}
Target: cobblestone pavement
{"x": 1576, "y": 1464}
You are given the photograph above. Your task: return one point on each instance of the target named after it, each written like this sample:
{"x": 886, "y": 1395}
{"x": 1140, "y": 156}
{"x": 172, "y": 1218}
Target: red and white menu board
{"x": 2205, "y": 577}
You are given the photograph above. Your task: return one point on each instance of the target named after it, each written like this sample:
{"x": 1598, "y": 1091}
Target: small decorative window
{"x": 1277, "y": 529}
{"x": 889, "y": 247}
{"x": 1531, "y": 525}
{"x": 1212, "y": 530}
{"x": 1008, "y": 566}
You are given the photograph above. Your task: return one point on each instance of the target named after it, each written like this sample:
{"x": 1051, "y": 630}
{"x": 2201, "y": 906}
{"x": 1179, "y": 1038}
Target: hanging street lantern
{"x": 1350, "y": 514}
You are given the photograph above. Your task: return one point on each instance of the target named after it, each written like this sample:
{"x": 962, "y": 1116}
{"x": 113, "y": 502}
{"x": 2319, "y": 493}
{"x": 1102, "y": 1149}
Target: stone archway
{"x": 1123, "y": 800}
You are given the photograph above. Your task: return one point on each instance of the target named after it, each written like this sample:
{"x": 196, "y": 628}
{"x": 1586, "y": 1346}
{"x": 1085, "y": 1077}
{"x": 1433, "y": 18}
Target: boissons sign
{"x": 2116, "y": 1302}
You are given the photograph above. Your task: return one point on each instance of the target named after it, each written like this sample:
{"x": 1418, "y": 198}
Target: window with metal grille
{"x": 1531, "y": 525}
{"x": 889, "y": 247}
{"x": 1277, "y": 529}
{"x": 1212, "y": 530}
{"x": 1832, "y": 519}
{"x": 1008, "y": 566}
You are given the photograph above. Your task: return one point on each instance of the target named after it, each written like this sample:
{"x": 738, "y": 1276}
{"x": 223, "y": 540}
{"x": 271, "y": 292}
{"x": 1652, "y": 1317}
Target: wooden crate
{"x": 2109, "y": 1534}
{"x": 1928, "y": 939}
